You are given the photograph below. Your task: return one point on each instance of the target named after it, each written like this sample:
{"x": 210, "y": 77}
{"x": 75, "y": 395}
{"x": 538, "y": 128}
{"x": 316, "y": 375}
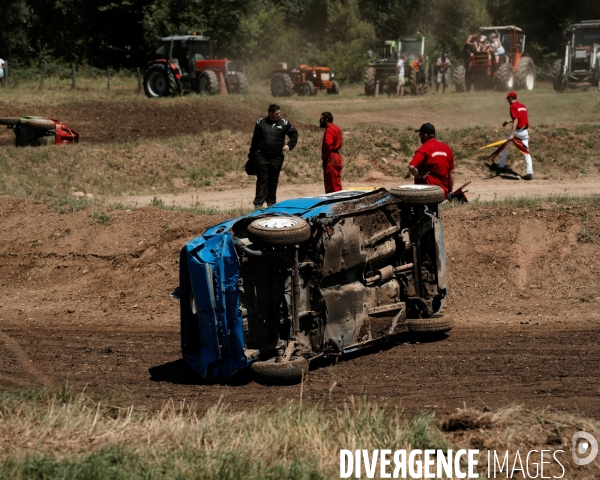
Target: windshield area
{"x": 412, "y": 50}
{"x": 587, "y": 37}
{"x": 199, "y": 50}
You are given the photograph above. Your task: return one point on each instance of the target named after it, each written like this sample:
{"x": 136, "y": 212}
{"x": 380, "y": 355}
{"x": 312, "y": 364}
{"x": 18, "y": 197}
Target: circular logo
{"x": 584, "y": 448}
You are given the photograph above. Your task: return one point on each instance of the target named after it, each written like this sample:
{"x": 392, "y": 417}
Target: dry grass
{"x": 56, "y": 434}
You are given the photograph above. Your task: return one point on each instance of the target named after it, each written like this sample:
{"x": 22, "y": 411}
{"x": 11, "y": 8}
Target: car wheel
{"x": 270, "y": 372}
{"x": 39, "y": 123}
{"x": 418, "y": 194}
{"x": 9, "y": 120}
{"x": 430, "y": 326}
{"x": 279, "y": 231}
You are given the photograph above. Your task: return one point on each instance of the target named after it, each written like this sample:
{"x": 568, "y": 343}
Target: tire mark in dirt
{"x": 26, "y": 363}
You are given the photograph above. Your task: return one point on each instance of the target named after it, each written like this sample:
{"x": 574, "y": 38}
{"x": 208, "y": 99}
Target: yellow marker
{"x": 495, "y": 144}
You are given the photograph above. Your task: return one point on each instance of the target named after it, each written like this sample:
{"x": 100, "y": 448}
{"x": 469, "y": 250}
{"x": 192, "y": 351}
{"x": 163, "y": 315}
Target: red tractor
{"x": 304, "y": 80}
{"x": 187, "y": 64}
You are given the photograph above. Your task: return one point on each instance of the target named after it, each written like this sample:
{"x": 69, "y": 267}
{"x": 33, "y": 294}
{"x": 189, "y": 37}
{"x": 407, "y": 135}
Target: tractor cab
{"x": 186, "y": 51}
{"x": 585, "y": 46}
{"x": 411, "y": 47}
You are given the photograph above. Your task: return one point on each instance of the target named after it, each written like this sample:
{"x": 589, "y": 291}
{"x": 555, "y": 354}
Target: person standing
{"x": 400, "y": 72}
{"x": 2, "y": 62}
{"x": 496, "y": 47}
{"x": 443, "y": 73}
{"x": 419, "y": 66}
{"x": 433, "y": 163}
{"x": 520, "y": 131}
{"x": 330, "y": 153}
{"x": 267, "y": 149}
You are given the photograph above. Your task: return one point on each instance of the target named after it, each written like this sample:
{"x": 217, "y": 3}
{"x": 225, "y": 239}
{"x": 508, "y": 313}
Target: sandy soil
{"x": 89, "y": 303}
{"x": 482, "y": 188}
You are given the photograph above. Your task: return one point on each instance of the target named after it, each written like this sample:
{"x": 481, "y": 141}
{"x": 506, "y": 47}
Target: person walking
{"x": 520, "y": 131}
{"x": 401, "y": 75}
{"x": 433, "y": 163}
{"x": 266, "y": 150}
{"x": 443, "y": 73}
{"x": 330, "y": 153}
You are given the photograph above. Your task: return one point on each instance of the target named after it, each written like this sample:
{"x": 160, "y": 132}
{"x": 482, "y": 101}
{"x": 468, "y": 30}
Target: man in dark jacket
{"x": 268, "y": 145}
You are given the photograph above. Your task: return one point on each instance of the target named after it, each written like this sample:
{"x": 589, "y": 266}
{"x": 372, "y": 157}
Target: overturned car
{"x": 312, "y": 277}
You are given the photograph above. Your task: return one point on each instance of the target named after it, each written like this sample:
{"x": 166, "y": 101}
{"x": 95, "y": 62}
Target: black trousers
{"x": 267, "y": 178}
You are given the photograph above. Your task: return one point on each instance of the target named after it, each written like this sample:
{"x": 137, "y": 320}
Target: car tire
{"x": 279, "y": 231}
{"x": 9, "y": 120}
{"x": 39, "y": 123}
{"x": 269, "y": 372}
{"x": 430, "y": 326}
{"x": 418, "y": 194}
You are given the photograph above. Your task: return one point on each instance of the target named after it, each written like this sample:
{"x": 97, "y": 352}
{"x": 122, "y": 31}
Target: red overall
{"x": 332, "y": 160}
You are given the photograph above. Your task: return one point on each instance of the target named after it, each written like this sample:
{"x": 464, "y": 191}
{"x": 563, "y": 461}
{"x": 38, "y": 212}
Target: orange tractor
{"x": 304, "y": 80}
{"x": 187, "y": 64}
{"x": 514, "y": 70}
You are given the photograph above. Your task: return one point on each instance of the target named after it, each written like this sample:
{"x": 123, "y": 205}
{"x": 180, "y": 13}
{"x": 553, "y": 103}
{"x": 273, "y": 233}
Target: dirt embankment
{"x": 88, "y": 302}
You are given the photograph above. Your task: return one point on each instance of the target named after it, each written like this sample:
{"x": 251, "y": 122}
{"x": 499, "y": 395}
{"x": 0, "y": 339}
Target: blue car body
{"x": 214, "y": 320}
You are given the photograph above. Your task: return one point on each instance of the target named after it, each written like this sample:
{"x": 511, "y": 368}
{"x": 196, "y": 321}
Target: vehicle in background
{"x": 31, "y": 131}
{"x": 579, "y": 66}
{"x": 515, "y": 70}
{"x": 304, "y": 80}
{"x": 383, "y": 64}
{"x": 187, "y": 64}
{"x": 312, "y": 277}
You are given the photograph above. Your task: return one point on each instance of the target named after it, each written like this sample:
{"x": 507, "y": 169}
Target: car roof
{"x": 186, "y": 37}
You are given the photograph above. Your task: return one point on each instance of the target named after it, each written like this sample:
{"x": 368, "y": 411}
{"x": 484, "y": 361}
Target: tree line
{"x": 260, "y": 33}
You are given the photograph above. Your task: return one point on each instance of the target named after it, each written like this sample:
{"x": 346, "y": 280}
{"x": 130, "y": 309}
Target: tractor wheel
{"x": 505, "y": 79}
{"x": 412, "y": 74}
{"x": 208, "y": 82}
{"x": 159, "y": 81}
{"x": 418, "y": 194}
{"x": 239, "y": 85}
{"x": 279, "y": 231}
{"x": 526, "y": 74}
{"x": 370, "y": 80}
{"x": 459, "y": 79}
{"x": 308, "y": 89}
{"x": 335, "y": 89}
{"x": 557, "y": 76}
{"x": 9, "y": 120}
{"x": 281, "y": 85}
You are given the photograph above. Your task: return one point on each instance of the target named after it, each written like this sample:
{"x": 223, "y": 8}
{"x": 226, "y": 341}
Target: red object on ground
{"x": 332, "y": 160}
{"x": 435, "y": 161}
{"x": 64, "y": 134}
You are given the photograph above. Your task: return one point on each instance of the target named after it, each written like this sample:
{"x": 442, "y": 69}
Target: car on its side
{"x": 312, "y": 277}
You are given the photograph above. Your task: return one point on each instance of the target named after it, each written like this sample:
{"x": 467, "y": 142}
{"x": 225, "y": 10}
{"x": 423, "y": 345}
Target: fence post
{"x": 43, "y": 76}
{"x": 377, "y": 88}
{"x": 139, "y": 80}
{"x": 108, "y": 71}
{"x": 74, "y": 77}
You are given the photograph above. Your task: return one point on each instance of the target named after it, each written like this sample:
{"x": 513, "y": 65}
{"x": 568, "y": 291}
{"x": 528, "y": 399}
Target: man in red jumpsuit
{"x": 330, "y": 153}
{"x": 433, "y": 163}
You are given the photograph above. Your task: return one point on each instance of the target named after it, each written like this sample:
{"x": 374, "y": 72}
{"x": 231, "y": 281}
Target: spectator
{"x": 266, "y": 150}
{"x": 443, "y": 73}
{"x": 419, "y": 67}
{"x": 471, "y": 46}
{"x": 496, "y": 47}
{"x": 401, "y": 75}
{"x": 484, "y": 45}
{"x": 2, "y": 62}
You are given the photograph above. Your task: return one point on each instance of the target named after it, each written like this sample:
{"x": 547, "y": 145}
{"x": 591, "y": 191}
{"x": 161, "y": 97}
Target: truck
{"x": 188, "y": 63}
{"x": 579, "y": 67}
{"x": 383, "y": 63}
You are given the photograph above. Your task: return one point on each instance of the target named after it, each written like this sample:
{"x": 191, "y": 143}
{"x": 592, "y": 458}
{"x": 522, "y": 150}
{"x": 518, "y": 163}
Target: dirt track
{"x": 88, "y": 303}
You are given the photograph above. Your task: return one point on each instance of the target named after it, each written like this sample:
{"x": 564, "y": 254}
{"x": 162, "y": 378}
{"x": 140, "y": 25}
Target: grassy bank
{"x": 69, "y": 435}
{"x": 216, "y": 160}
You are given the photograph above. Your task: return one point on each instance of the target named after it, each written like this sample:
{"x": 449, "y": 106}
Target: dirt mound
{"x": 85, "y": 297}
{"x": 115, "y": 122}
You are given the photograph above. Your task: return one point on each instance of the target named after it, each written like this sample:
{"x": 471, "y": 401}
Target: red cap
{"x": 512, "y": 95}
